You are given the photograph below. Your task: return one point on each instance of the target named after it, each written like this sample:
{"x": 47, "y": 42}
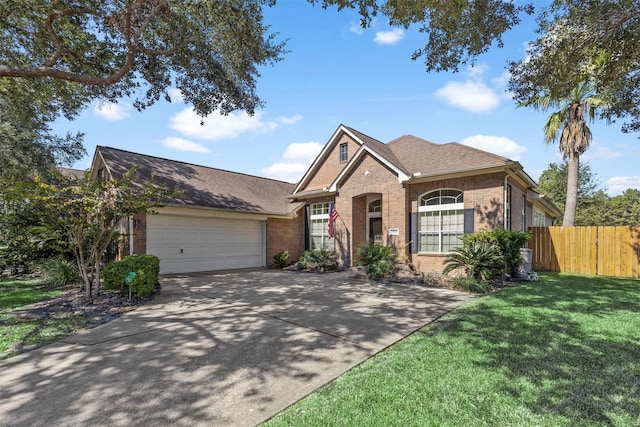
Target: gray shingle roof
{"x": 379, "y": 147}
{"x": 201, "y": 186}
{"x": 417, "y": 155}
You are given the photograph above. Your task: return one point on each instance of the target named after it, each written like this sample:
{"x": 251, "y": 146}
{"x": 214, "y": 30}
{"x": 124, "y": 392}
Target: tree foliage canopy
{"x": 594, "y": 206}
{"x": 27, "y": 108}
{"x": 83, "y": 214}
{"x": 585, "y": 40}
{"x": 211, "y": 50}
{"x": 58, "y": 56}
{"x": 457, "y": 31}
{"x": 553, "y": 183}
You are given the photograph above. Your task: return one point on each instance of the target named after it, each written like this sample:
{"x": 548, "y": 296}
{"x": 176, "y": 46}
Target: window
{"x": 344, "y": 152}
{"x": 319, "y": 227}
{"x": 375, "y": 206}
{"x": 539, "y": 219}
{"x": 374, "y": 218}
{"x": 440, "y": 221}
{"x": 507, "y": 207}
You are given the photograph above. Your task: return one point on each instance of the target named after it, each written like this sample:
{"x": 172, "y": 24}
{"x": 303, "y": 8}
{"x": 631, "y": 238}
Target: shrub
{"x": 319, "y": 260}
{"x": 469, "y": 284}
{"x": 377, "y": 260}
{"x": 429, "y": 279}
{"x": 508, "y": 242}
{"x": 479, "y": 260}
{"x": 281, "y": 259}
{"x": 60, "y": 272}
{"x": 146, "y": 268}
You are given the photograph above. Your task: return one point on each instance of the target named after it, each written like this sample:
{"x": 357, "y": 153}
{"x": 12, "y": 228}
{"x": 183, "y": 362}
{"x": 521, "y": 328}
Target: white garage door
{"x": 189, "y": 244}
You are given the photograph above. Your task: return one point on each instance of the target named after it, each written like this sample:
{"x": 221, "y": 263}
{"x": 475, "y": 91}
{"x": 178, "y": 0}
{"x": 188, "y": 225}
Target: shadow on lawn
{"x": 561, "y": 350}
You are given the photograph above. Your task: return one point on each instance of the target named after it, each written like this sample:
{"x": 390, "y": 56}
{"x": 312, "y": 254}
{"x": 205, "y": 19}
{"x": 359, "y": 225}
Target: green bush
{"x": 281, "y": 259}
{"x": 146, "y": 268}
{"x": 469, "y": 284}
{"x": 478, "y": 260}
{"x": 60, "y": 272}
{"x": 508, "y": 242}
{"x": 377, "y": 260}
{"x": 318, "y": 260}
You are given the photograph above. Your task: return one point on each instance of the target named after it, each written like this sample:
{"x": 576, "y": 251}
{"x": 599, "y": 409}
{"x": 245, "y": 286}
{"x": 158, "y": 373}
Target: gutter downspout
{"x": 130, "y": 235}
{"x": 504, "y": 202}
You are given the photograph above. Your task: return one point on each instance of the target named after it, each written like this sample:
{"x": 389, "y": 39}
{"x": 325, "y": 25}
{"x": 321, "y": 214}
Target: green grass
{"x": 17, "y": 333}
{"x": 564, "y": 351}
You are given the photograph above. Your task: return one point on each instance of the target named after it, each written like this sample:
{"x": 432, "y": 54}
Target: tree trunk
{"x": 97, "y": 284}
{"x": 572, "y": 189}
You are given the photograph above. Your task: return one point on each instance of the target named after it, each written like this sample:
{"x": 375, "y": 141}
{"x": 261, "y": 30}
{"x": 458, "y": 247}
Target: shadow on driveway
{"x": 215, "y": 349}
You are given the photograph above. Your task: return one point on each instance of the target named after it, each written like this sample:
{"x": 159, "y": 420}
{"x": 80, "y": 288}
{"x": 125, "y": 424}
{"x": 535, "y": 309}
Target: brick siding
{"x": 285, "y": 235}
{"x": 331, "y": 165}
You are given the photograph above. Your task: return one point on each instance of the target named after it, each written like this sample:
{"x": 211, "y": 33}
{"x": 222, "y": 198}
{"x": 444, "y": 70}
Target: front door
{"x": 375, "y": 230}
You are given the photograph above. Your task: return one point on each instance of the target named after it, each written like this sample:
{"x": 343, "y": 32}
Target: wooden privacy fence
{"x": 604, "y": 251}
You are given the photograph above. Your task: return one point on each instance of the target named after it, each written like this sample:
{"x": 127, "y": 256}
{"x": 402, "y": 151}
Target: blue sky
{"x": 337, "y": 73}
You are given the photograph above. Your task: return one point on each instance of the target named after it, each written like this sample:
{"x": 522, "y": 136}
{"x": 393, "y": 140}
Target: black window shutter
{"x": 413, "y": 232}
{"x": 468, "y": 221}
{"x": 307, "y": 227}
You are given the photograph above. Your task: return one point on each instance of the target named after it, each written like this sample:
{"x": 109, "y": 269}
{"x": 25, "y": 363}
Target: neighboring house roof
{"x": 73, "y": 174}
{"x": 201, "y": 186}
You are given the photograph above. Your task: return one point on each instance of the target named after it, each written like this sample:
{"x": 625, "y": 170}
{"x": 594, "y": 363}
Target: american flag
{"x": 333, "y": 216}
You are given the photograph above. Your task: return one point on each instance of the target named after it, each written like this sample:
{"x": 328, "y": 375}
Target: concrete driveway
{"x": 228, "y": 349}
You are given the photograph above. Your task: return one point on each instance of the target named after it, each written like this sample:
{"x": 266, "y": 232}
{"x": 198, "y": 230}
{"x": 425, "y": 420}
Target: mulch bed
{"x": 74, "y": 303}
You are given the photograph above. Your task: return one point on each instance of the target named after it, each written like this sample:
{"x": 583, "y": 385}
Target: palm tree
{"x": 575, "y": 136}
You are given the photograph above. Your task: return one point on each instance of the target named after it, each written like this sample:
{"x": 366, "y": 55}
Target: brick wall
{"x": 140, "y": 234}
{"x": 370, "y": 177}
{"x": 482, "y": 193}
{"x": 331, "y": 165}
{"x": 516, "y": 207}
{"x": 285, "y": 235}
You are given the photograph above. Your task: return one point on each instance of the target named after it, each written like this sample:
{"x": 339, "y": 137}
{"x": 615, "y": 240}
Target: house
{"x": 415, "y": 195}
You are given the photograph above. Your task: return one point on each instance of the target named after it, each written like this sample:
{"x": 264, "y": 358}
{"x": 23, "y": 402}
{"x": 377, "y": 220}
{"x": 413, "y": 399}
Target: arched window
{"x": 375, "y": 206}
{"x": 440, "y": 220}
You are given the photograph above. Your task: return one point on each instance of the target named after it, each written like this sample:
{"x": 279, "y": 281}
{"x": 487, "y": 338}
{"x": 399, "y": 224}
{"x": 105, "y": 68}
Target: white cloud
{"x": 289, "y": 172}
{"x": 601, "y": 153}
{"x": 471, "y": 96}
{"x": 356, "y": 28}
{"x": 500, "y": 84}
{"x": 305, "y": 151}
{"x": 289, "y": 120}
{"x": 389, "y": 37}
{"x": 217, "y": 126}
{"x": 295, "y": 161}
{"x": 176, "y": 95}
{"x": 112, "y": 111}
{"x": 184, "y": 145}
{"x": 499, "y": 145}
{"x": 477, "y": 70}
{"x": 617, "y": 184}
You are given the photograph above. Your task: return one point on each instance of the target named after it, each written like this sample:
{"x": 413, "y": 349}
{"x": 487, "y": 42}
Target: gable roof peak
{"x": 408, "y": 138}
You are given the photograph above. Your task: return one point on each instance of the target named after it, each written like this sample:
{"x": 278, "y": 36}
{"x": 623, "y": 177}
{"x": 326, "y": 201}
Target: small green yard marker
{"x": 130, "y": 279}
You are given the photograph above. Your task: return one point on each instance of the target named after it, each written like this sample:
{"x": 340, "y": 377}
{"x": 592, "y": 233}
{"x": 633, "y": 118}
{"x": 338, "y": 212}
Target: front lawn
{"x": 20, "y": 333}
{"x": 563, "y": 351}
